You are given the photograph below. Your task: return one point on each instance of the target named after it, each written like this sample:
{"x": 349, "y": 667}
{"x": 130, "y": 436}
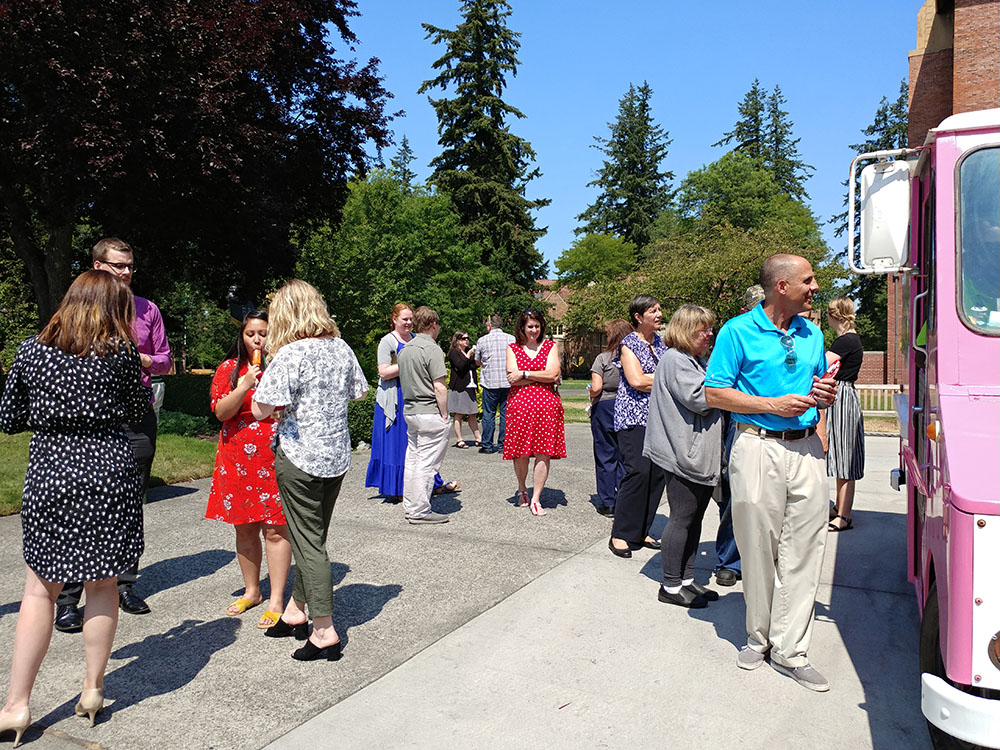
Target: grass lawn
{"x": 178, "y": 459}
{"x": 574, "y": 399}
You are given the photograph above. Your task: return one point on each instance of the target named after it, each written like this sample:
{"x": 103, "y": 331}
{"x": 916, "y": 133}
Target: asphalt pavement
{"x": 496, "y": 630}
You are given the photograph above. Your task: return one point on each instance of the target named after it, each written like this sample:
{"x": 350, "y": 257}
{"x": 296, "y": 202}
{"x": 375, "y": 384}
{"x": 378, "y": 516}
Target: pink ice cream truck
{"x": 932, "y": 215}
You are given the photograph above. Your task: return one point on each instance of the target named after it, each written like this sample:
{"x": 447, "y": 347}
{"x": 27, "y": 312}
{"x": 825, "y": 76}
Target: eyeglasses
{"x": 789, "y": 343}
{"x": 130, "y": 267}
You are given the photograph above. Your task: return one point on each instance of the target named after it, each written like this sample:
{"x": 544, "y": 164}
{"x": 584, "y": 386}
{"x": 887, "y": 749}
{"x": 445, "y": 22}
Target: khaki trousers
{"x": 426, "y": 443}
{"x": 779, "y": 519}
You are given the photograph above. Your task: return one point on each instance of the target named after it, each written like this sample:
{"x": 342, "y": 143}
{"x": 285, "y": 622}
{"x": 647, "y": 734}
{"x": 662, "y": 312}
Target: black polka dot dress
{"x": 82, "y": 511}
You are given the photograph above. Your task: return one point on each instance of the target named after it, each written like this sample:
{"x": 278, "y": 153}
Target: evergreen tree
{"x": 399, "y": 165}
{"x": 887, "y": 131}
{"x": 484, "y": 167}
{"x": 781, "y": 151}
{"x": 749, "y": 130}
{"x": 634, "y": 190}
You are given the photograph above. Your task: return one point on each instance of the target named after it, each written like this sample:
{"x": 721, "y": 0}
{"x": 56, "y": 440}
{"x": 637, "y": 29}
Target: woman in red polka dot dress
{"x": 534, "y": 411}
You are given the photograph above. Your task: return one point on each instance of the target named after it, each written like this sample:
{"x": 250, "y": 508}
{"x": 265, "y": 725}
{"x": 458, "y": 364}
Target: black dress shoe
{"x": 683, "y": 598}
{"x": 69, "y": 619}
{"x": 698, "y": 590}
{"x": 726, "y": 577}
{"x": 311, "y": 652}
{"x": 606, "y": 510}
{"x": 619, "y": 552}
{"x": 651, "y": 545}
{"x": 282, "y": 629}
{"x": 132, "y": 603}
{"x": 484, "y": 449}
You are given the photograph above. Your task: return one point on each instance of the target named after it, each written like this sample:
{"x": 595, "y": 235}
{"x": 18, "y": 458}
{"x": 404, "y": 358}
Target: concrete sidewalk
{"x": 496, "y": 630}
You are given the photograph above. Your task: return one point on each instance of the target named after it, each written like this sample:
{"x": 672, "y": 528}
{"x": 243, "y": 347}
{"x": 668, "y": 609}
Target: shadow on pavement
{"x": 176, "y": 571}
{"x": 358, "y": 603}
{"x": 161, "y": 492}
{"x": 163, "y": 663}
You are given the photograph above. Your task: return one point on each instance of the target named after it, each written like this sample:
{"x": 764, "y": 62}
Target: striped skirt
{"x": 845, "y": 429}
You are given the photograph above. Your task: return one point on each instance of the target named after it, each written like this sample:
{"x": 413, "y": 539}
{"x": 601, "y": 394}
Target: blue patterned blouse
{"x": 632, "y": 406}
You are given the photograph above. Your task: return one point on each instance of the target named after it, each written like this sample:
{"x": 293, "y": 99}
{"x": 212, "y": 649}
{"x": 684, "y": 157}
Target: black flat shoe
{"x": 69, "y": 619}
{"x": 608, "y": 511}
{"x": 311, "y": 652}
{"x": 683, "y": 598}
{"x": 282, "y": 629}
{"x": 698, "y": 590}
{"x": 619, "y": 552}
{"x": 132, "y": 603}
{"x": 651, "y": 545}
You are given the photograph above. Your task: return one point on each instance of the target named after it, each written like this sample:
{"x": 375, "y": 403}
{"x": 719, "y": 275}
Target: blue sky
{"x": 833, "y": 60}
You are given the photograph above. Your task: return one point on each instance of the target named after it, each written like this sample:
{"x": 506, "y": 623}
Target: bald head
{"x": 781, "y": 266}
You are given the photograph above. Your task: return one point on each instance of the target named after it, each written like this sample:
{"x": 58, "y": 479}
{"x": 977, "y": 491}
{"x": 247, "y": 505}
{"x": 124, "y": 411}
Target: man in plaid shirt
{"x": 491, "y": 357}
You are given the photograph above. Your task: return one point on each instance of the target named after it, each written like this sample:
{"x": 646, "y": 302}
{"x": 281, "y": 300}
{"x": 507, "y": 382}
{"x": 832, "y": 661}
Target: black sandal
{"x": 461, "y": 444}
{"x": 848, "y": 524}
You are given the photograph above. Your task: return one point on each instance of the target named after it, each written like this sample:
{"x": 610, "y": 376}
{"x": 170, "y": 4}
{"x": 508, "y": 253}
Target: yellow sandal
{"x": 241, "y": 605}
{"x": 268, "y": 620}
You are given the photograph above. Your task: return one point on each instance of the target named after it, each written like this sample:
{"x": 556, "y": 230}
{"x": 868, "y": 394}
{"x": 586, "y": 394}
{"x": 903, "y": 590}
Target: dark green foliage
{"x": 188, "y": 394}
{"x": 18, "y": 312}
{"x": 763, "y": 132}
{"x": 633, "y": 189}
{"x": 187, "y": 425}
{"x": 360, "y": 418}
{"x": 395, "y": 245}
{"x": 199, "y": 131}
{"x": 399, "y": 165}
{"x": 483, "y": 167}
{"x": 199, "y": 330}
{"x": 887, "y": 131}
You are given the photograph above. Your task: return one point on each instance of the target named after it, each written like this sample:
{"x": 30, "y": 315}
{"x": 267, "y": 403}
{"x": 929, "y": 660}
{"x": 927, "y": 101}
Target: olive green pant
{"x": 308, "y": 503}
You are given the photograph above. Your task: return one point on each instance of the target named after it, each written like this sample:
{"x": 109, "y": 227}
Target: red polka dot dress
{"x": 535, "y": 420}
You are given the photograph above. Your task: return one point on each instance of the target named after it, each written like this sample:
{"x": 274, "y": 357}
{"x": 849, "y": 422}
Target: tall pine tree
{"x": 887, "y": 131}
{"x": 399, "y": 165}
{"x": 484, "y": 167}
{"x": 781, "y": 151}
{"x": 748, "y": 132}
{"x": 634, "y": 190}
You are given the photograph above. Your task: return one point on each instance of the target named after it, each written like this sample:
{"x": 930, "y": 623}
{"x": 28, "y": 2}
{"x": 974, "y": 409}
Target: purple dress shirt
{"x": 151, "y": 339}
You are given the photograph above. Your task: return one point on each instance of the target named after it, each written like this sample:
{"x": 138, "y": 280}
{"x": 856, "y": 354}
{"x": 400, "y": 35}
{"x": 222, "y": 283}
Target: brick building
{"x": 954, "y": 68}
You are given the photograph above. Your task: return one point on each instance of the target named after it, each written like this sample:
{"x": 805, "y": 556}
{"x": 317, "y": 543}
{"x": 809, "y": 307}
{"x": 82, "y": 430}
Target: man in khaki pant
{"x": 766, "y": 369}
{"x": 425, "y": 408}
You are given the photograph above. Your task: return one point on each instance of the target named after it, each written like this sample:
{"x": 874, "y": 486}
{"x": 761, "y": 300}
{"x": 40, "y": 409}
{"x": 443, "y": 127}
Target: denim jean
{"x": 725, "y": 541}
{"x": 494, "y": 399}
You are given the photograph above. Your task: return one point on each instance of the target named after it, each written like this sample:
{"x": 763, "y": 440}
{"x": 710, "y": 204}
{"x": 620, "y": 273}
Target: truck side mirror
{"x": 885, "y": 216}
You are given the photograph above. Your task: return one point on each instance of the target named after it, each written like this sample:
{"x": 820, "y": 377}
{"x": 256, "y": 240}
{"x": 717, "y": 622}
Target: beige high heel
{"x": 17, "y": 723}
{"x": 90, "y": 704}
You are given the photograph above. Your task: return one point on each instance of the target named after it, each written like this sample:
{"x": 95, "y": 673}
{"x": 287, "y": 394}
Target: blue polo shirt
{"x": 750, "y": 357}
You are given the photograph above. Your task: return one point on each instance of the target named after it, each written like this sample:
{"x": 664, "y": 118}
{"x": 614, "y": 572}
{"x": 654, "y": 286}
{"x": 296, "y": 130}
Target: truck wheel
{"x": 932, "y": 663}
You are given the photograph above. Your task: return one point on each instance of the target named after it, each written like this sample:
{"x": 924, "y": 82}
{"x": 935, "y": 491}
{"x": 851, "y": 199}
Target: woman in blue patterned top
{"x": 642, "y": 487}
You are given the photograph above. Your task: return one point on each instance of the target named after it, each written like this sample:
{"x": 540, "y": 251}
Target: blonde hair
{"x": 686, "y": 321}
{"x": 842, "y": 309}
{"x": 297, "y": 311}
{"x": 95, "y": 315}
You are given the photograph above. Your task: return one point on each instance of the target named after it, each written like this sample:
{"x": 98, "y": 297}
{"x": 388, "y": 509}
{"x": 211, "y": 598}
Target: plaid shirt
{"x": 491, "y": 351}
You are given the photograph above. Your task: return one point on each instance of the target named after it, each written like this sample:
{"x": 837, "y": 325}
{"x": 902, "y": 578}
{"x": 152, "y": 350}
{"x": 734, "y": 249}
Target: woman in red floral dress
{"x": 244, "y": 489}
{"x": 535, "y": 422}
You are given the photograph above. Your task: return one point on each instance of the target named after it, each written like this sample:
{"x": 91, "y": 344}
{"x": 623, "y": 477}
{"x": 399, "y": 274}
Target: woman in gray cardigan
{"x": 684, "y": 437}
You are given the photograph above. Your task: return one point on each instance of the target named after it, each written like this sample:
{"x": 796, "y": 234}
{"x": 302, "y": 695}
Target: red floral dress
{"x": 244, "y": 488}
{"x": 535, "y": 420}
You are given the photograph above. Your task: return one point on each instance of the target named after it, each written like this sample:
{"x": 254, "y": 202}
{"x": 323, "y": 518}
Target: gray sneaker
{"x": 806, "y": 676}
{"x": 748, "y": 658}
{"x": 429, "y": 518}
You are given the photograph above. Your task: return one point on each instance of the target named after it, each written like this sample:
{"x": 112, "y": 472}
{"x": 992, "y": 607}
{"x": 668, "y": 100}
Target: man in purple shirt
{"x": 115, "y": 256}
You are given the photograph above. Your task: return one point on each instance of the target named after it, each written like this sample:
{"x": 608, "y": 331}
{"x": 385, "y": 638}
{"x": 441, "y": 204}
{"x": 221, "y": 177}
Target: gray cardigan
{"x": 683, "y": 434}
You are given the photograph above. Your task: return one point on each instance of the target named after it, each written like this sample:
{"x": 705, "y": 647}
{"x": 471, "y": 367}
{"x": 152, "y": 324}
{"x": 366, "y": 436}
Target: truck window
{"x": 979, "y": 240}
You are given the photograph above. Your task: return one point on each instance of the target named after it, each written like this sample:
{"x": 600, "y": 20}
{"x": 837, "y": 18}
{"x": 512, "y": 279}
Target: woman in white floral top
{"x": 311, "y": 377}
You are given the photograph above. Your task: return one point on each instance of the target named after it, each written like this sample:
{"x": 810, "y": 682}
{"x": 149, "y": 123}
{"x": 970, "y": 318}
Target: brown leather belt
{"x": 778, "y": 434}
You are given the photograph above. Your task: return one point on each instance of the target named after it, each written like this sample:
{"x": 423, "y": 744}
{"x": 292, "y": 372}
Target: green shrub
{"x": 188, "y": 394}
{"x": 361, "y": 417}
{"x": 187, "y": 425}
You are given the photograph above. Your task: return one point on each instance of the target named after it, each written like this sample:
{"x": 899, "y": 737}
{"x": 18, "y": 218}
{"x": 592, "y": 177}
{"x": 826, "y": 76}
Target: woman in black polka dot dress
{"x": 75, "y": 385}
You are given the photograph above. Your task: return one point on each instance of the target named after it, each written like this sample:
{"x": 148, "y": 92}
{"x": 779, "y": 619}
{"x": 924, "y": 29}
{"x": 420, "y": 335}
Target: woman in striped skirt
{"x": 845, "y": 458}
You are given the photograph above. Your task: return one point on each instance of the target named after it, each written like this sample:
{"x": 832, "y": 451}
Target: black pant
{"x": 640, "y": 491}
{"x": 688, "y": 501}
{"x": 142, "y": 435}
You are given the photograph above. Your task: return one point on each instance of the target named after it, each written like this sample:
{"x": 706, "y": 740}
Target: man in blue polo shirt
{"x": 766, "y": 369}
